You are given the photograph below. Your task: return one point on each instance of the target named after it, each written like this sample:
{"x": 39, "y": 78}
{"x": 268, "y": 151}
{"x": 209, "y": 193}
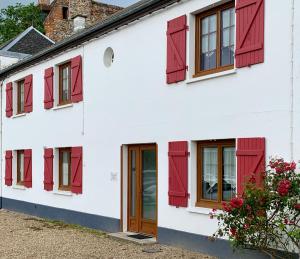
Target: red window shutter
{"x": 178, "y": 173}
{"x": 76, "y": 73}
{"x": 8, "y": 167}
{"x": 76, "y": 170}
{"x": 48, "y": 169}
{"x": 9, "y": 100}
{"x": 249, "y": 32}
{"x": 28, "y": 168}
{"x": 28, "y": 94}
{"x": 176, "y": 49}
{"x": 48, "y": 88}
{"x": 251, "y": 161}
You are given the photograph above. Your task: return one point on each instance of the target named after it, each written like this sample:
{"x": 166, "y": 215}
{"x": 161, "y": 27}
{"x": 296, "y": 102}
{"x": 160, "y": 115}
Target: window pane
{"x": 227, "y": 37}
{"x": 65, "y": 168}
{"x": 212, "y": 41}
{"x": 65, "y": 84}
{"x": 213, "y": 23}
{"x": 210, "y": 174}
{"x": 229, "y": 173}
{"x": 133, "y": 183}
{"x": 21, "y": 97}
{"x": 149, "y": 184}
{"x": 204, "y": 44}
{"x": 205, "y": 26}
{"x": 21, "y": 161}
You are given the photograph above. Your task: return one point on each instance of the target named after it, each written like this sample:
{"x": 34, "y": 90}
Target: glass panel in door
{"x": 149, "y": 184}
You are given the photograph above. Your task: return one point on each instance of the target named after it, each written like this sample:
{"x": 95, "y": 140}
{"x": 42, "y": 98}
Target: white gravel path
{"x": 24, "y": 236}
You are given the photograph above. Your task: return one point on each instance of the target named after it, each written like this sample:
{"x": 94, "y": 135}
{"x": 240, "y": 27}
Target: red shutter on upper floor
{"x": 76, "y": 82}
{"x": 9, "y": 100}
{"x": 178, "y": 173}
{"x": 76, "y": 170}
{"x": 28, "y": 168}
{"x": 48, "y": 88}
{"x": 176, "y": 49}
{"x": 249, "y": 32}
{"x": 8, "y": 167}
{"x": 250, "y": 161}
{"x": 28, "y": 94}
{"x": 48, "y": 169}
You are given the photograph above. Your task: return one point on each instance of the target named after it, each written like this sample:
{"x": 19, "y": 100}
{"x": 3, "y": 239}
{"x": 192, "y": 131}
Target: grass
{"x": 57, "y": 224}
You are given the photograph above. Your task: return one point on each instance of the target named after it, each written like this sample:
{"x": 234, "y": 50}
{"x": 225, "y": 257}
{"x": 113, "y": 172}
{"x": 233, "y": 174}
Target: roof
{"x": 30, "y": 41}
{"x": 121, "y": 18}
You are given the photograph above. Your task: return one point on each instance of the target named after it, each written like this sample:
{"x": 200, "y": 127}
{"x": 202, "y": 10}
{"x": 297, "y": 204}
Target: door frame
{"x": 124, "y": 212}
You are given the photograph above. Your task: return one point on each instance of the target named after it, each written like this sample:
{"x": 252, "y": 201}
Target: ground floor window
{"x": 20, "y": 167}
{"x": 65, "y": 169}
{"x": 216, "y": 172}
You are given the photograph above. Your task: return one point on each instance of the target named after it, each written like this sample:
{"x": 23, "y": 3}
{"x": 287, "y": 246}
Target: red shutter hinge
{"x": 189, "y": 195}
{"x": 187, "y": 28}
{"x": 187, "y": 68}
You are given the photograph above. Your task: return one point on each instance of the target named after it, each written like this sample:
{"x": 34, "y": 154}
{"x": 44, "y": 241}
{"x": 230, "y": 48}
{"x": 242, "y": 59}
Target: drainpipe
{"x": 1, "y": 127}
{"x": 292, "y": 82}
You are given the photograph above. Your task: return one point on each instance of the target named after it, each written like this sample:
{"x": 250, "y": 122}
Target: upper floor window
{"x": 215, "y": 40}
{"x": 65, "y": 83}
{"x": 216, "y": 162}
{"x": 20, "y": 96}
{"x": 65, "y": 12}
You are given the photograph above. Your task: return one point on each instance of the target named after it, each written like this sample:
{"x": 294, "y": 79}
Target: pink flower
{"x": 283, "y": 187}
{"x": 233, "y": 232}
{"x": 214, "y": 210}
{"x": 236, "y": 202}
{"x": 226, "y": 207}
{"x": 246, "y": 226}
{"x": 297, "y": 206}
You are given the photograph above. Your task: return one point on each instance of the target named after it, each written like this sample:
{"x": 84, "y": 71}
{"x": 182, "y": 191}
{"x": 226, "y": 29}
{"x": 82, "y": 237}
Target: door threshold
{"x": 129, "y": 236}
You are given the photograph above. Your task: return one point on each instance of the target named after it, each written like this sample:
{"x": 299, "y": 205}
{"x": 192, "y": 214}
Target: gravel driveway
{"x": 24, "y": 236}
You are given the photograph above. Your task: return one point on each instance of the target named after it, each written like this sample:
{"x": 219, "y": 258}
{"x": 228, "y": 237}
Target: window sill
{"x": 19, "y": 187}
{"x": 63, "y": 193}
{"x": 18, "y": 115}
{"x": 202, "y": 210}
{"x": 62, "y": 106}
{"x": 215, "y": 75}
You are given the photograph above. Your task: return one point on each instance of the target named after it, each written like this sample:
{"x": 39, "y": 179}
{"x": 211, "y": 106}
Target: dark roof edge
{"x": 115, "y": 21}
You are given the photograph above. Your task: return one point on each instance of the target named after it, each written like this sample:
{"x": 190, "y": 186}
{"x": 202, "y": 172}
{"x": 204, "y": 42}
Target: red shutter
{"x": 76, "y": 73}
{"x": 178, "y": 173}
{"x": 48, "y": 169}
{"x": 48, "y": 88}
{"x": 249, "y": 32}
{"x": 9, "y": 100}
{"x": 176, "y": 49}
{"x": 28, "y": 94}
{"x": 28, "y": 168}
{"x": 250, "y": 161}
{"x": 76, "y": 170}
{"x": 8, "y": 168}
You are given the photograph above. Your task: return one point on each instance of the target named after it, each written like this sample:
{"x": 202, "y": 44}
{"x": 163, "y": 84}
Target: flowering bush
{"x": 264, "y": 217}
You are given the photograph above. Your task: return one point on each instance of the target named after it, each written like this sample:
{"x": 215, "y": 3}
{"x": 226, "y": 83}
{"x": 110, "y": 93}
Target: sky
{"x": 124, "y": 3}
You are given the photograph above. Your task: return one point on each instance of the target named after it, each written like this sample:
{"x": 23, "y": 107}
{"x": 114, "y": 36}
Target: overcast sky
{"x": 4, "y": 3}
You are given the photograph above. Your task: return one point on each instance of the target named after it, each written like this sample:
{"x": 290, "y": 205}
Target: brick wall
{"x": 57, "y": 28}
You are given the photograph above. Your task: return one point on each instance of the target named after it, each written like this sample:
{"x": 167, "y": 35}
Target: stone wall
{"x": 57, "y": 28}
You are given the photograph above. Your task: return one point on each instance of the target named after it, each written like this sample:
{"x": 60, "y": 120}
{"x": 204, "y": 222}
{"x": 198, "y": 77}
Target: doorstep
{"x": 126, "y": 237}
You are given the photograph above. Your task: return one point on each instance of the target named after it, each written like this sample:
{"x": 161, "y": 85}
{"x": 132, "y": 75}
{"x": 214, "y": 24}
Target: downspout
{"x": 1, "y": 128}
{"x": 292, "y": 82}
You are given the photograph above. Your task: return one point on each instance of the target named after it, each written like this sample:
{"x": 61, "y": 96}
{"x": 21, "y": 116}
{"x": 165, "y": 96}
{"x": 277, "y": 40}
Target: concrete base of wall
{"x": 73, "y": 217}
{"x": 198, "y": 243}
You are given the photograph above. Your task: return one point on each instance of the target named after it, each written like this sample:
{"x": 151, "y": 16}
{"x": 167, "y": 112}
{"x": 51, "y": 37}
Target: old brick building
{"x": 65, "y": 17}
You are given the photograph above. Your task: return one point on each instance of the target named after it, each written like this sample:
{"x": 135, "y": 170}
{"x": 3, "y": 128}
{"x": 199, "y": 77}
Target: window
{"x": 65, "y": 84}
{"x": 20, "y": 96}
{"x": 20, "y": 167}
{"x": 65, "y": 12}
{"x": 215, "y": 40}
{"x": 216, "y": 163}
{"x": 64, "y": 169}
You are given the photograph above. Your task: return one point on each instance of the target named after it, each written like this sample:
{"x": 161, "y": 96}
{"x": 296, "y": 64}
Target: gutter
{"x": 292, "y": 81}
{"x": 121, "y": 18}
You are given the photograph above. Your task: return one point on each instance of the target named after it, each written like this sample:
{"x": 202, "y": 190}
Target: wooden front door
{"x": 142, "y": 191}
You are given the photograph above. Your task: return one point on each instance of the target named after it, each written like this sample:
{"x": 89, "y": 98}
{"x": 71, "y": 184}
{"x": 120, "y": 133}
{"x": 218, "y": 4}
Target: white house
{"x": 150, "y": 119}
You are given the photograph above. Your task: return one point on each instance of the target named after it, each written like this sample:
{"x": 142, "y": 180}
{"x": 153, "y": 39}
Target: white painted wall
{"x": 130, "y": 102}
